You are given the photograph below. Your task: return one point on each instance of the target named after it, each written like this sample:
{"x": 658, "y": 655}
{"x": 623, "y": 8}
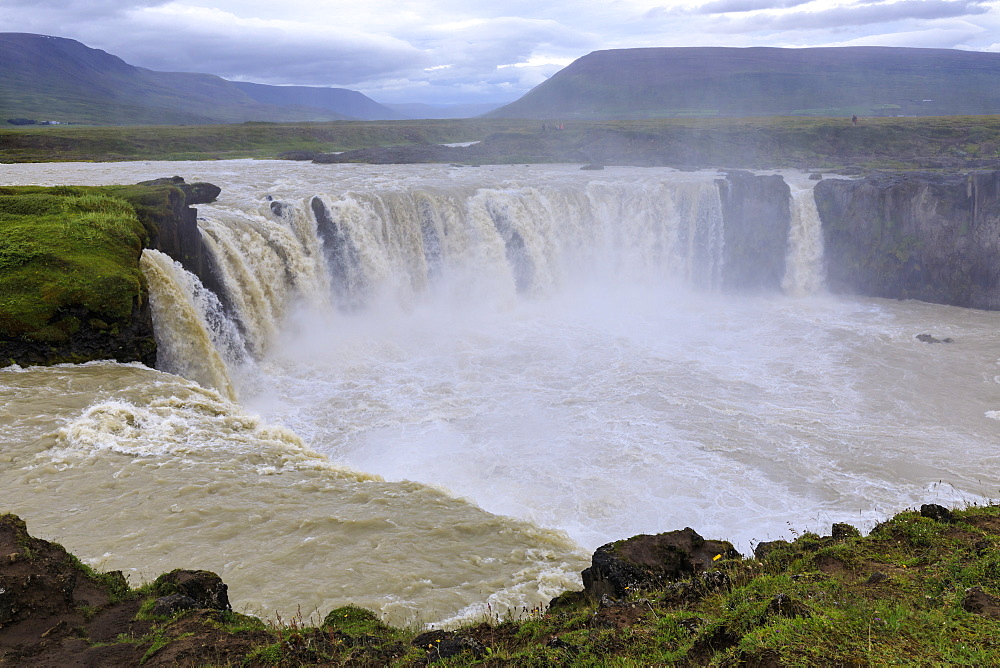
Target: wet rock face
{"x": 177, "y": 230}
{"x": 937, "y": 513}
{"x": 757, "y": 214}
{"x": 644, "y": 562}
{"x": 126, "y": 340}
{"x": 927, "y": 236}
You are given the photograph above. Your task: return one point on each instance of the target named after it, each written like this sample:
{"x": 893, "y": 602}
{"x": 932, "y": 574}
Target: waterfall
{"x": 804, "y": 261}
{"x": 519, "y": 239}
{"x": 268, "y": 256}
{"x": 479, "y": 242}
{"x": 194, "y": 338}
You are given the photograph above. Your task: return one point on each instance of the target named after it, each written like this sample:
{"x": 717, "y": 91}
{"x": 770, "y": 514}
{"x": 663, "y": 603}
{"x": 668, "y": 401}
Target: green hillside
{"x": 55, "y": 79}
{"x": 730, "y": 82}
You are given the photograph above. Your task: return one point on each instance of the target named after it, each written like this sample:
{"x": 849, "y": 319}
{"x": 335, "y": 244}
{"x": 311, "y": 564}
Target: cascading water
{"x": 517, "y": 239}
{"x": 804, "y": 265}
{"x": 194, "y": 337}
{"x": 497, "y": 350}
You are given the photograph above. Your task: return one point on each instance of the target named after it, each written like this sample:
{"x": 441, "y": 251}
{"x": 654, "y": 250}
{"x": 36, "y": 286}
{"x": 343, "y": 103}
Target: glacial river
{"x": 496, "y": 371}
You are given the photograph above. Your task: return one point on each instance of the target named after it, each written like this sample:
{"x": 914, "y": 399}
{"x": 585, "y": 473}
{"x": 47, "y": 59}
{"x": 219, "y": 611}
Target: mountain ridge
{"x": 48, "y": 78}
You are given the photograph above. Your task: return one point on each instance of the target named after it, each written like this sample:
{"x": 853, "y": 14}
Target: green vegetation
{"x": 66, "y": 247}
{"x": 824, "y": 143}
{"x": 214, "y": 142}
{"x": 70, "y": 285}
{"x": 894, "y": 597}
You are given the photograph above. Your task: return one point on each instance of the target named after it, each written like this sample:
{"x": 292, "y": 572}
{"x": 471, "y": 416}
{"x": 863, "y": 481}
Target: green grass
{"x": 64, "y": 247}
{"x": 69, "y": 261}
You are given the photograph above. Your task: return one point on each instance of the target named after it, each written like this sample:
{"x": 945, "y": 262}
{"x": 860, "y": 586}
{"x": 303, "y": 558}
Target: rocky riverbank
{"x": 922, "y": 587}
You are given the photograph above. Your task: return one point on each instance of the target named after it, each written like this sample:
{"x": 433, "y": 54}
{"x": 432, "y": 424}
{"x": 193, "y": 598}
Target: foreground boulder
{"x": 204, "y": 588}
{"x": 646, "y": 562}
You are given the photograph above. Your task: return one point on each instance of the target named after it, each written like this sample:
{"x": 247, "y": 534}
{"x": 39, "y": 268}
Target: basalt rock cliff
{"x": 757, "y": 215}
{"x": 926, "y": 236}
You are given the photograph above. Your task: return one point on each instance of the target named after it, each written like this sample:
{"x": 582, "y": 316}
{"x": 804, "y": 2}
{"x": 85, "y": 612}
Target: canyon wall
{"x": 926, "y": 236}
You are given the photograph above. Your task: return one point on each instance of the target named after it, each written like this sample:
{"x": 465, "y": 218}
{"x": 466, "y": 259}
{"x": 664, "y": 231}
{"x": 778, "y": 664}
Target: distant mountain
{"x": 708, "y": 81}
{"x": 340, "y": 100}
{"x": 417, "y": 110}
{"x": 56, "y": 79}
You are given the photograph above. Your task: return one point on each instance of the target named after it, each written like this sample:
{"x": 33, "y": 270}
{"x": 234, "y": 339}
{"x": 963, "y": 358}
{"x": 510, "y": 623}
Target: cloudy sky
{"x": 449, "y": 51}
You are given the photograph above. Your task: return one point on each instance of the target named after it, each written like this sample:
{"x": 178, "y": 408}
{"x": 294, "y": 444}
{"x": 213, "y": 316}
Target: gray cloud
{"x": 468, "y": 50}
{"x": 858, "y": 15}
{"x": 737, "y": 6}
{"x": 252, "y": 50}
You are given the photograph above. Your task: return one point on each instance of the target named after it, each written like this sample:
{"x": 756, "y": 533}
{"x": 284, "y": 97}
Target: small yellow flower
{"x": 717, "y": 557}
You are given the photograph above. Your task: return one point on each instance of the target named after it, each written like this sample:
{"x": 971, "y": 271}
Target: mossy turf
{"x": 765, "y": 142}
{"x": 895, "y": 597}
{"x": 66, "y": 247}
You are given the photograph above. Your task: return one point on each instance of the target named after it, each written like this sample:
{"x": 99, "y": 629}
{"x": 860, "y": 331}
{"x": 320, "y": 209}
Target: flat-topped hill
{"x": 716, "y": 81}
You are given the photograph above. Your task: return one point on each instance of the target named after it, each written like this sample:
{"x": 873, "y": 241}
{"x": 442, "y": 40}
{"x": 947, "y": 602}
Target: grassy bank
{"x": 942, "y": 142}
{"x": 919, "y": 590}
{"x": 823, "y": 143}
{"x": 61, "y": 247}
{"x": 70, "y": 285}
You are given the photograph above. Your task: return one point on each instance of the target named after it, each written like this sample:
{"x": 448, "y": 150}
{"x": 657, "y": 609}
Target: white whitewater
{"x": 194, "y": 337}
{"x": 804, "y": 273}
{"x": 446, "y": 360}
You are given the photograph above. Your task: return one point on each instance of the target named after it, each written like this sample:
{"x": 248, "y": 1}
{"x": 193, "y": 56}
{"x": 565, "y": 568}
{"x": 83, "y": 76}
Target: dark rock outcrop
{"x": 342, "y": 255}
{"x": 91, "y": 338}
{"x": 445, "y": 645}
{"x": 937, "y": 513}
{"x": 204, "y": 588}
{"x": 45, "y": 597}
{"x": 177, "y": 232}
{"x": 928, "y": 338}
{"x": 174, "y": 603}
{"x": 645, "y": 562}
{"x": 926, "y": 236}
{"x": 757, "y": 215}
{"x": 56, "y": 612}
